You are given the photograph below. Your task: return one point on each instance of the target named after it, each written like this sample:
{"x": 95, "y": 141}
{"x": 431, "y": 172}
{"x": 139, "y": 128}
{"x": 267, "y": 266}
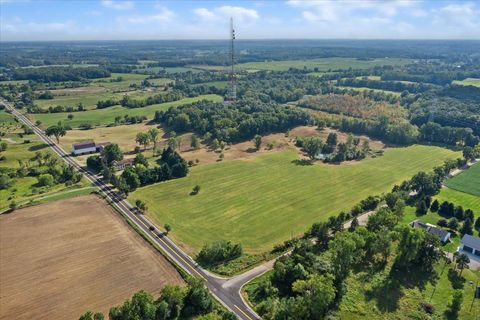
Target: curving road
{"x": 226, "y": 291}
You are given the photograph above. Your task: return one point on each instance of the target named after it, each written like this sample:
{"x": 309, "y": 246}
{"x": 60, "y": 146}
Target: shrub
{"x": 218, "y": 252}
{"x": 46, "y": 180}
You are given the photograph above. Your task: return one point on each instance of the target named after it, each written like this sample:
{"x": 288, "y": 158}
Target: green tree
{"x": 46, "y": 180}
{"x": 167, "y": 228}
{"x": 174, "y": 297}
{"x": 467, "y": 227}
{"x": 5, "y": 182}
{"x": 435, "y": 206}
{"x": 353, "y": 224}
{"x": 421, "y": 208}
{"x": 318, "y": 293}
{"x": 198, "y": 300}
{"x": 462, "y": 262}
{"x": 257, "y": 140}
{"x": 142, "y": 206}
{"x": 57, "y": 131}
{"x": 131, "y": 179}
{"x": 143, "y": 138}
{"x": 455, "y": 304}
{"x": 194, "y": 142}
{"x": 312, "y": 146}
{"x": 141, "y": 159}
{"x": 453, "y": 224}
{"x": 153, "y": 135}
{"x": 111, "y": 153}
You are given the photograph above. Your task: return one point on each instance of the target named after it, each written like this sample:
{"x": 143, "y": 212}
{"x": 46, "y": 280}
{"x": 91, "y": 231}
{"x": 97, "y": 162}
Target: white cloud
{"x": 118, "y": 5}
{"x": 240, "y": 14}
{"x": 94, "y": 13}
{"x": 458, "y": 15}
{"x": 164, "y": 15}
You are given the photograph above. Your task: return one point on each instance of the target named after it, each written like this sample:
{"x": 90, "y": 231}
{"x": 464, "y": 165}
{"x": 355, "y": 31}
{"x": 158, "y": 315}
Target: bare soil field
{"x": 61, "y": 259}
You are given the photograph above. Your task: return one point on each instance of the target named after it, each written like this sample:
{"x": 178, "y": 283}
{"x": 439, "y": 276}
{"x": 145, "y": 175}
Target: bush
{"x": 46, "y": 180}
{"x": 218, "y": 252}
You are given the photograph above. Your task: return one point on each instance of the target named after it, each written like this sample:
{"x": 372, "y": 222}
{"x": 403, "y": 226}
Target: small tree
{"x": 467, "y": 227}
{"x": 456, "y": 304}
{"x": 153, "y": 135}
{"x": 143, "y": 139}
{"x": 168, "y": 228}
{"x": 435, "y": 205}
{"x": 13, "y": 206}
{"x": 462, "y": 262}
{"x": 453, "y": 224}
{"x": 312, "y": 146}
{"x": 140, "y": 205}
{"x": 46, "y": 180}
{"x": 257, "y": 140}
{"x": 194, "y": 142}
{"x": 353, "y": 224}
{"x": 70, "y": 116}
{"x": 196, "y": 189}
{"x": 57, "y": 131}
{"x": 421, "y": 208}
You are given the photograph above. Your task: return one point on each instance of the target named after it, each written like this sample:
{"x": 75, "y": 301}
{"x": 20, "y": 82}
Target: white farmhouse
{"x": 84, "y": 148}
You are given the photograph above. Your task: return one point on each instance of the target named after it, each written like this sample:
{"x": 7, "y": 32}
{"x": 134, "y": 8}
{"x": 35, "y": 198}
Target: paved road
{"x": 226, "y": 291}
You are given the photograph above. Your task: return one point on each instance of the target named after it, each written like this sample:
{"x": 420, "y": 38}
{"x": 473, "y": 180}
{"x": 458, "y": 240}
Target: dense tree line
{"x": 54, "y": 74}
{"x": 129, "y": 102}
{"x": 232, "y": 122}
{"x": 433, "y": 132}
{"x": 175, "y": 302}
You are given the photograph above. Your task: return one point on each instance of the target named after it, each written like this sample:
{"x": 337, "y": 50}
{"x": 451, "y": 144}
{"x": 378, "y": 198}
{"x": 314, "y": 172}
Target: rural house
{"x": 430, "y": 228}
{"x": 122, "y": 164}
{"x": 85, "y": 147}
{"x": 470, "y": 244}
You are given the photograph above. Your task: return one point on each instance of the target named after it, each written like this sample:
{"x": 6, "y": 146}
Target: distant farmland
{"x": 84, "y": 257}
{"x": 264, "y": 200}
{"x": 323, "y": 64}
{"x": 468, "y": 82}
{"x": 107, "y": 115}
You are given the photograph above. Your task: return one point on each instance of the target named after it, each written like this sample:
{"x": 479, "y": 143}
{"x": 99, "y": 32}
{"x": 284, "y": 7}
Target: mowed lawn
{"x": 466, "y": 200}
{"x": 264, "y": 200}
{"x": 107, "y": 115}
{"x": 468, "y": 181}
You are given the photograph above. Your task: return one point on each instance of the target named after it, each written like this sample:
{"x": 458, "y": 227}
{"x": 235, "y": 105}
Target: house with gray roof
{"x": 471, "y": 245}
{"x": 443, "y": 235}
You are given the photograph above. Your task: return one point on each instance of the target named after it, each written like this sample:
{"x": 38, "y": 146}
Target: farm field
{"x": 107, "y": 115}
{"x": 84, "y": 258}
{"x": 262, "y": 201}
{"x": 468, "y": 82}
{"x": 459, "y": 198}
{"x": 123, "y": 135}
{"x": 323, "y": 64}
{"x": 468, "y": 181}
{"x": 395, "y": 93}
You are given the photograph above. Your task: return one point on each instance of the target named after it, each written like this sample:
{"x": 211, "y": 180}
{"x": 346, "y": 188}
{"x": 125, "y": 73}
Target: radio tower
{"x": 232, "y": 94}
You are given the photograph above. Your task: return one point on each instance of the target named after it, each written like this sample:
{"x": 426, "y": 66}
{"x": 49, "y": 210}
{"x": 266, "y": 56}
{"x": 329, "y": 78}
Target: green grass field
{"x": 466, "y": 200}
{"x": 262, "y": 201}
{"x": 361, "y": 89}
{"x": 107, "y": 115}
{"x": 468, "y": 82}
{"x": 14, "y": 82}
{"x": 468, "y": 181}
{"x": 323, "y": 64}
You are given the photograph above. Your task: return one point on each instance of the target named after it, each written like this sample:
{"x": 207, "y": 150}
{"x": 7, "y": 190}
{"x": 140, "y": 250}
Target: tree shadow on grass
{"x": 38, "y": 147}
{"x": 388, "y": 291}
{"x": 456, "y": 279}
{"x": 302, "y": 162}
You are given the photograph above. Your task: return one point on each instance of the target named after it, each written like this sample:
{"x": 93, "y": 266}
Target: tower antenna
{"x": 232, "y": 95}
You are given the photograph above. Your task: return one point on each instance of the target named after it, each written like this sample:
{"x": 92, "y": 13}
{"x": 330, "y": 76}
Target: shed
{"x": 85, "y": 147}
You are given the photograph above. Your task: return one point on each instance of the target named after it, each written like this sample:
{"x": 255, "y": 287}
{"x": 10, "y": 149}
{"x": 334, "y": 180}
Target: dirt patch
{"x": 278, "y": 142}
{"x": 61, "y": 259}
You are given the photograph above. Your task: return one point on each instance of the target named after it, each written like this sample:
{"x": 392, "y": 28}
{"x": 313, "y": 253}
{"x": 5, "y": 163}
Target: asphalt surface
{"x": 226, "y": 291}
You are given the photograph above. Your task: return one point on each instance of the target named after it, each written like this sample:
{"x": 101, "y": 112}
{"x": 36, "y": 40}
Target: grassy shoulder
{"x": 262, "y": 201}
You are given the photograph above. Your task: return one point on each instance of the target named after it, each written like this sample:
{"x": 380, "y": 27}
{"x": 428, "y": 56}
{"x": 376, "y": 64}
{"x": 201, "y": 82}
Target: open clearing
{"x": 106, "y": 116}
{"x": 467, "y": 181}
{"x": 262, "y": 201}
{"x": 468, "y": 82}
{"x": 323, "y": 64}
{"x": 61, "y": 259}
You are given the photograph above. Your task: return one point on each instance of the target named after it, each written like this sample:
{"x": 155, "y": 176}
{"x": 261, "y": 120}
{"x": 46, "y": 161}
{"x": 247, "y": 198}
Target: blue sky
{"x": 183, "y": 19}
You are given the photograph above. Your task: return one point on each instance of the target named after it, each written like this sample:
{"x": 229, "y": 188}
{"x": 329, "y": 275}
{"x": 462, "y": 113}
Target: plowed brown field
{"x": 61, "y": 259}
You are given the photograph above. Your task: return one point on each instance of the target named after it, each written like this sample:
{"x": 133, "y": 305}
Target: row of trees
{"x": 175, "y": 302}
{"x": 55, "y": 74}
{"x": 232, "y": 122}
{"x": 385, "y": 85}
{"x": 218, "y": 252}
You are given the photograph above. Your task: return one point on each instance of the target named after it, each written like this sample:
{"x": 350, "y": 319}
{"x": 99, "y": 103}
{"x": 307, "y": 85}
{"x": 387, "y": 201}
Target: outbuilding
{"x": 471, "y": 245}
{"x": 85, "y": 147}
{"x": 443, "y": 235}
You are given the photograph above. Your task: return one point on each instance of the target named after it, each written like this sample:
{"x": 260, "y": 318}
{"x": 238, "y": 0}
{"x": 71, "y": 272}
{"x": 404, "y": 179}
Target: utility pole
{"x": 232, "y": 94}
